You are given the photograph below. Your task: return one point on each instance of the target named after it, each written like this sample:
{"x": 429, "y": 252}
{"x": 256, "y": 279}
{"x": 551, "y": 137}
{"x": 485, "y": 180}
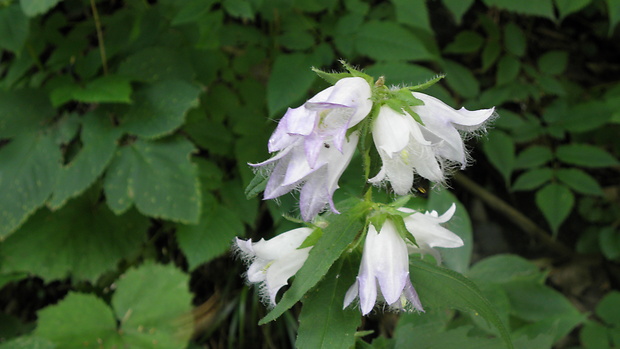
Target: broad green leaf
{"x": 24, "y": 111}
{"x": 466, "y": 41}
{"x": 160, "y": 108}
{"x": 390, "y": 41}
{"x": 27, "y": 342}
{"x": 532, "y": 179}
{"x": 289, "y": 81}
{"x": 514, "y": 39}
{"x": 579, "y": 181}
{"x": 609, "y": 243}
{"x": 461, "y": 79}
{"x": 533, "y": 156}
{"x": 595, "y": 336}
{"x": 99, "y": 140}
{"x": 62, "y": 240}
{"x": 500, "y": 269}
{"x": 543, "y": 8}
{"x": 322, "y": 322}
{"x": 6, "y": 278}
{"x": 106, "y": 89}
{"x": 29, "y": 166}
{"x": 297, "y": 40}
{"x": 212, "y": 236}
{"x": 457, "y": 259}
{"x": 153, "y": 304}
{"x": 191, "y": 11}
{"x": 614, "y": 14}
{"x": 413, "y": 13}
{"x": 566, "y": 7}
{"x": 340, "y": 232}
{"x": 607, "y": 308}
{"x": 239, "y": 8}
{"x": 553, "y": 62}
{"x": 584, "y": 117}
{"x": 156, "y": 63}
{"x": 440, "y": 287}
{"x": 458, "y": 8}
{"x": 508, "y": 69}
{"x": 14, "y": 27}
{"x": 77, "y": 321}
{"x": 37, "y": 7}
{"x": 158, "y": 177}
{"x": 500, "y": 149}
{"x": 346, "y": 28}
{"x": 555, "y": 201}
{"x": 413, "y": 336}
{"x": 585, "y": 155}
{"x": 490, "y": 53}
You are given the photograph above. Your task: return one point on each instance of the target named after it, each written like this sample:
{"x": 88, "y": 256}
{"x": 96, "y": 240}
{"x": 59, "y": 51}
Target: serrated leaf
{"x": 533, "y": 179}
{"x": 37, "y": 7}
{"x": 441, "y": 287}
{"x": 289, "y": 80}
{"x": 29, "y": 166}
{"x": 382, "y": 40}
{"x": 533, "y": 156}
{"x": 211, "y": 237}
{"x": 514, "y": 39}
{"x": 579, "y": 181}
{"x": 331, "y": 78}
{"x": 401, "y": 73}
{"x": 461, "y": 79}
{"x": 555, "y": 201}
{"x": 24, "y": 111}
{"x": 160, "y": 108}
{"x": 14, "y": 27}
{"x": 158, "y": 177}
{"x": 337, "y": 236}
{"x": 322, "y": 322}
{"x": 153, "y": 304}
{"x": 585, "y": 155}
{"x": 99, "y": 139}
{"x": 63, "y": 238}
{"x": 500, "y": 149}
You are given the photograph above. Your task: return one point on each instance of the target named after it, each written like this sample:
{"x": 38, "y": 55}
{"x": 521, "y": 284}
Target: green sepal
{"x": 311, "y": 239}
{"x": 427, "y": 84}
{"x": 377, "y": 219}
{"x": 332, "y": 78}
{"x": 257, "y": 185}
{"x": 356, "y": 73}
{"x": 399, "y": 223}
{"x": 402, "y": 106}
{"x": 405, "y": 95}
{"x": 400, "y": 202}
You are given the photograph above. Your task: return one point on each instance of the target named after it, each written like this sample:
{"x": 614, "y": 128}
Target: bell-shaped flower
{"x": 272, "y": 262}
{"x": 407, "y": 147}
{"x": 385, "y": 260}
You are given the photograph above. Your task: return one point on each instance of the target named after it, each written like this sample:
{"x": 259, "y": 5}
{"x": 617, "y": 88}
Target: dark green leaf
{"x": 501, "y": 269}
{"x": 458, "y": 8}
{"x": 533, "y": 179}
{"x": 543, "y": 8}
{"x": 555, "y": 201}
{"x": 594, "y": 336}
{"x": 23, "y": 111}
{"x": 27, "y": 342}
{"x": 37, "y": 7}
{"x": 289, "y": 81}
{"x": 607, "y": 308}
{"x": 553, "y": 62}
{"x": 566, "y": 7}
{"x": 322, "y": 322}
{"x": 29, "y": 166}
{"x": 158, "y": 177}
{"x": 514, "y": 39}
{"x": 508, "y": 69}
{"x": 533, "y": 156}
{"x": 579, "y": 181}
{"x": 614, "y": 14}
{"x": 585, "y": 155}
{"x": 609, "y": 243}
{"x": 490, "y": 53}
{"x": 461, "y": 79}
{"x": 401, "y": 73}
{"x": 390, "y": 41}
{"x": 465, "y": 42}
{"x": 14, "y": 27}
{"x": 500, "y": 149}
{"x": 413, "y": 13}
{"x": 156, "y": 63}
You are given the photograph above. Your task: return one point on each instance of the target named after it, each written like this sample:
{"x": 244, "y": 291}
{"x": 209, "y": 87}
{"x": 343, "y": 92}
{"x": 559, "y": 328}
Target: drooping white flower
{"x": 407, "y": 147}
{"x": 272, "y": 262}
{"x": 385, "y": 260}
{"x": 313, "y": 146}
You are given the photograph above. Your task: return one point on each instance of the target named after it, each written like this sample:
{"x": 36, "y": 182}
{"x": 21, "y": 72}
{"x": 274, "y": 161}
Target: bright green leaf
{"x": 579, "y": 181}
{"x": 390, "y": 41}
{"x": 289, "y": 81}
{"x": 555, "y": 201}
{"x": 23, "y": 111}
{"x": 585, "y": 155}
{"x": 63, "y": 238}
{"x": 158, "y": 177}
{"x": 532, "y": 179}
{"x": 29, "y": 166}
{"x": 553, "y": 62}
{"x": 160, "y": 108}
{"x": 461, "y": 79}
{"x": 37, "y": 7}
{"x": 106, "y": 89}
{"x": 533, "y": 156}
{"x": 514, "y": 39}
{"x": 413, "y": 13}
{"x": 500, "y": 149}
{"x": 543, "y": 8}
{"x": 14, "y": 27}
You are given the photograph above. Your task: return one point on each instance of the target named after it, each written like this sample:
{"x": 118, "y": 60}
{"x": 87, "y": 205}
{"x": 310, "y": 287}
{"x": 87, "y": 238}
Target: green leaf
{"x": 461, "y": 79}
{"x": 553, "y": 62}
{"x": 440, "y": 287}
{"x": 153, "y": 304}
{"x": 585, "y": 155}
{"x": 337, "y": 236}
{"x": 158, "y": 177}
{"x": 289, "y": 80}
{"x": 24, "y": 111}
{"x": 508, "y": 69}
{"x": 504, "y": 268}
{"x": 457, "y": 259}
{"x": 532, "y": 179}
{"x": 160, "y": 108}
{"x": 212, "y": 236}
{"x": 106, "y": 89}
{"x": 555, "y": 201}
{"x": 609, "y": 242}
{"x": 37, "y": 7}
{"x": 579, "y": 181}
{"x": 381, "y": 40}
{"x": 514, "y": 39}
{"x": 79, "y": 320}
{"x": 543, "y": 8}
{"x": 595, "y": 336}
{"x": 27, "y": 342}
{"x": 584, "y": 117}
{"x": 614, "y": 14}
{"x": 156, "y": 63}
{"x": 258, "y": 184}
{"x": 99, "y": 140}
{"x": 490, "y": 53}
{"x": 607, "y": 308}
{"x": 413, "y": 13}
{"x": 458, "y": 8}
{"x": 533, "y": 156}
{"x": 500, "y": 149}
{"x": 466, "y": 41}
{"x": 14, "y": 27}
{"x": 63, "y": 238}
{"x": 566, "y": 7}
{"x": 239, "y": 8}
{"x": 322, "y": 322}
{"x": 29, "y": 166}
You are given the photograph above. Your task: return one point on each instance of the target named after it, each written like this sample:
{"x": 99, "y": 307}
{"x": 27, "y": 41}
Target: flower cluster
{"x": 414, "y": 135}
